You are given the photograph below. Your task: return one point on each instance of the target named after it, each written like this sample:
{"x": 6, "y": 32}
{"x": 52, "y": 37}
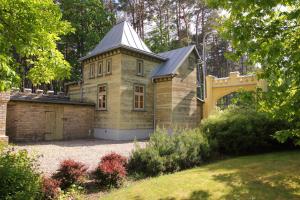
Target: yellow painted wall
{"x": 216, "y": 88}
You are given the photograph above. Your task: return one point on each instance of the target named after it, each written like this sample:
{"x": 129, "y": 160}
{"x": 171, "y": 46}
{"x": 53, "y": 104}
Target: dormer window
{"x": 100, "y": 68}
{"x": 140, "y": 68}
{"x": 108, "y": 66}
{"x": 92, "y": 70}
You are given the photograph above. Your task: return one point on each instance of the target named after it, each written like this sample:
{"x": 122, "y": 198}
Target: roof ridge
{"x": 177, "y": 49}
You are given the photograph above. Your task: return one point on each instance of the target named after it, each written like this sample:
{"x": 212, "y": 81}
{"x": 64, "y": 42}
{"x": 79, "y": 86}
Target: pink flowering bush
{"x": 50, "y": 188}
{"x": 70, "y": 172}
{"x": 111, "y": 171}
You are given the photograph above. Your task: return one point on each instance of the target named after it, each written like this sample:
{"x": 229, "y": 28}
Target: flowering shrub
{"x": 111, "y": 170}
{"x": 50, "y": 189}
{"x": 70, "y": 172}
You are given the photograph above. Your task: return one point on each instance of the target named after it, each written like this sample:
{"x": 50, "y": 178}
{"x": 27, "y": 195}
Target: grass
{"x": 273, "y": 176}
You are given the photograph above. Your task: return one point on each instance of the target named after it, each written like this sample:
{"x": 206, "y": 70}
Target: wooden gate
{"x": 54, "y": 126}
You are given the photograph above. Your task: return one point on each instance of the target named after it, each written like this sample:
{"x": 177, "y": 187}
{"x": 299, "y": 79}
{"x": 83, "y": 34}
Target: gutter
{"x": 128, "y": 48}
{"x": 163, "y": 76}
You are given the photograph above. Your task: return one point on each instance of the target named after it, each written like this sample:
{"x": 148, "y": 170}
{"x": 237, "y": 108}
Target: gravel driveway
{"x": 86, "y": 151}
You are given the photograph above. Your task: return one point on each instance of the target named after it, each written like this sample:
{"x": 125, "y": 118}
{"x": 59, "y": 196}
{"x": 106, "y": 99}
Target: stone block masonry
{"x": 39, "y": 121}
{"x": 4, "y": 98}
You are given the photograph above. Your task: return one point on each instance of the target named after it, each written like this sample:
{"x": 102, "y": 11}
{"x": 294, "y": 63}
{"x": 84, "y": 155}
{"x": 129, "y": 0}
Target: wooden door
{"x": 53, "y": 126}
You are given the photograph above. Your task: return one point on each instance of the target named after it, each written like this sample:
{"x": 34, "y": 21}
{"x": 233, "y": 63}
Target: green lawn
{"x": 273, "y": 176}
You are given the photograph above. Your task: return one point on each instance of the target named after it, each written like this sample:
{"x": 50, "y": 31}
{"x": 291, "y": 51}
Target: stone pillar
{"x": 4, "y": 98}
{"x": 208, "y": 105}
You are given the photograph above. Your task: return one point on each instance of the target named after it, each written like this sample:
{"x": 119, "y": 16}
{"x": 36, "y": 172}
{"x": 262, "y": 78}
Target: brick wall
{"x": 36, "y": 121}
{"x": 4, "y": 97}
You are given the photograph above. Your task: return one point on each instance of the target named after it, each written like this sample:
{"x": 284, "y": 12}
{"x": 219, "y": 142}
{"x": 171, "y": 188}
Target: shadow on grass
{"x": 267, "y": 178}
{"x": 196, "y": 195}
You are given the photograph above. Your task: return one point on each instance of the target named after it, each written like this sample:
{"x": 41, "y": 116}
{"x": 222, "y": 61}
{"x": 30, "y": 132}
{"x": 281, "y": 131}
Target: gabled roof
{"x": 121, "y": 35}
{"x": 175, "y": 58}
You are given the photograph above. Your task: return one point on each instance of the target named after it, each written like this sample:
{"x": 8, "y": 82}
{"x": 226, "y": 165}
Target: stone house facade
{"x": 136, "y": 90}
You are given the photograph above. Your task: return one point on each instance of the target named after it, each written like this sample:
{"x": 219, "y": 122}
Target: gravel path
{"x": 86, "y": 151}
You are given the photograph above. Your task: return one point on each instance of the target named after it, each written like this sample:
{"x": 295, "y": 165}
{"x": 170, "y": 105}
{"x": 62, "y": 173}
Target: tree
{"x": 268, "y": 33}
{"x": 91, "y": 22}
{"x": 29, "y": 31}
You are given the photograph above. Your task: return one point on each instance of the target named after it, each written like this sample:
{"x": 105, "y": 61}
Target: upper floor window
{"x": 92, "y": 70}
{"x": 140, "y": 68}
{"x": 192, "y": 62}
{"x": 108, "y": 66}
{"x": 100, "y": 68}
{"x": 139, "y": 97}
{"x": 102, "y": 97}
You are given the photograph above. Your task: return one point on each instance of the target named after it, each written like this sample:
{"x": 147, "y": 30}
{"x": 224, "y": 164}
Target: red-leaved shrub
{"x": 70, "y": 172}
{"x": 50, "y": 188}
{"x": 111, "y": 170}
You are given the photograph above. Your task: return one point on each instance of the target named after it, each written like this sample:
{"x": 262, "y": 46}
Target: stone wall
{"x": 186, "y": 112}
{"x": 4, "y": 97}
{"x": 36, "y": 121}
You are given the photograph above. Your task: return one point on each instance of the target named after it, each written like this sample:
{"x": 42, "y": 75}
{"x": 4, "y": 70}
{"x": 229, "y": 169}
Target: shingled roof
{"x": 121, "y": 35}
{"x": 175, "y": 58}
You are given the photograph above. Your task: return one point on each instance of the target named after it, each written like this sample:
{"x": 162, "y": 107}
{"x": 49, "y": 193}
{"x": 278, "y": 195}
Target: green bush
{"x": 168, "y": 153}
{"x": 242, "y": 130}
{"x": 19, "y": 178}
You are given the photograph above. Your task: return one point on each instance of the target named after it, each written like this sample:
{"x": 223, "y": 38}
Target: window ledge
{"x": 136, "y": 110}
{"x": 101, "y": 110}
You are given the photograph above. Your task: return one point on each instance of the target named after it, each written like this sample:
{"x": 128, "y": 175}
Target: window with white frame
{"x": 100, "y": 68}
{"x": 140, "y": 68}
{"x": 102, "y": 97}
{"x": 108, "y": 66}
{"x": 92, "y": 70}
{"x": 139, "y": 97}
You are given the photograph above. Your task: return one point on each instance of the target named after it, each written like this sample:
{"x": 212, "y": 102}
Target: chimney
{"x": 27, "y": 91}
{"x": 61, "y": 94}
{"x": 39, "y": 92}
{"x": 50, "y": 93}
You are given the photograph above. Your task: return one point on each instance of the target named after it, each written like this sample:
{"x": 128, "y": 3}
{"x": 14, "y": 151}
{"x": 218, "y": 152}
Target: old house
{"x": 136, "y": 90}
{"x": 126, "y": 92}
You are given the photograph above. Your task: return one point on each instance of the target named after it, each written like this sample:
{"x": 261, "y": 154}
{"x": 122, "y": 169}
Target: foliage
{"x": 268, "y": 32}
{"x": 91, "y": 22}
{"x": 111, "y": 170}
{"x": 70, "y": 172}
{"x": 19, "y": 178}
{"x": 145, "y": 162}
{"x": 168, "y": 153}
{"x": 242, "y": 130}
{"x": 29, "y": 32}
{"x": 73, "y": 193}
{"x": 51, "y": 189}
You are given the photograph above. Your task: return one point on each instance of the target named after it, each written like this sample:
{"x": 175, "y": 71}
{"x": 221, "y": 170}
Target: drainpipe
{"x": 154, "y": 105}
